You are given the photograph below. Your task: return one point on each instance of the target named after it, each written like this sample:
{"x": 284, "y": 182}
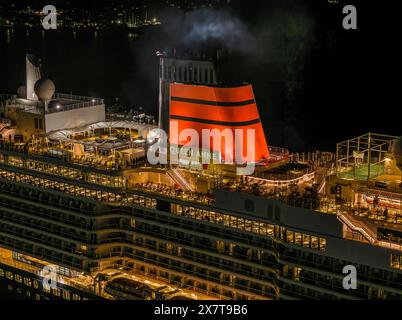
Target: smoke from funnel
{"x": 269, "y": 49}
{"x": 206, "y": 25}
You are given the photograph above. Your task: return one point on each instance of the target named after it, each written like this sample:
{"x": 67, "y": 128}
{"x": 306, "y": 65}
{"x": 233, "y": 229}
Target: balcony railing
{"x": 79, "y": 102}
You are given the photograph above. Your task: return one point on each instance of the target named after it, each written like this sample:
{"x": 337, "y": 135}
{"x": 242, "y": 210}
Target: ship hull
{"x": 31, "y": 288}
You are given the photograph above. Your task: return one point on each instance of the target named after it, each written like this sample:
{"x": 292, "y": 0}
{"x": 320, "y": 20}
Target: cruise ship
{"x": 78, "y": 197}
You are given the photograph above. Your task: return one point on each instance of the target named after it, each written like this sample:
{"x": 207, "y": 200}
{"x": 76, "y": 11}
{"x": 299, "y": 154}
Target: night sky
{"x": 315, "y": 83}
{"x": 343, "y": 82}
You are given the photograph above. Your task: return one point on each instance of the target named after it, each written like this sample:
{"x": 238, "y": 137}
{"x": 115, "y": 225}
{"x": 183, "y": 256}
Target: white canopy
{"x": 63, "y": 135}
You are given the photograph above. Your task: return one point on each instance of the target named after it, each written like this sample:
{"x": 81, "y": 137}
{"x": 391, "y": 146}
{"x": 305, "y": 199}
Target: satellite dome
{"x": 397, "y": 151}
{"x": 22, "y": 92}
{"x": 44, "y": 89}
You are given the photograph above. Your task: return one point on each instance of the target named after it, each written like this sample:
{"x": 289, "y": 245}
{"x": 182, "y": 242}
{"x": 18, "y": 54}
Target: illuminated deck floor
{"x": 361, "y": 172}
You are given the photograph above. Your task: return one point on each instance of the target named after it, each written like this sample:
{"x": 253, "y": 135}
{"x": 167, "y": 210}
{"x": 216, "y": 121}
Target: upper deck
{"x": 106, "y": 161}
{"x": 296, "y": 185}
{"x": 60, "y": 102}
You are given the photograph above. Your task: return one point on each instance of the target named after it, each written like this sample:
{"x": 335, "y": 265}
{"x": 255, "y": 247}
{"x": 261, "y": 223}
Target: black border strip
{"x": 214, "y": 103}
{"x": 219, "y": 123}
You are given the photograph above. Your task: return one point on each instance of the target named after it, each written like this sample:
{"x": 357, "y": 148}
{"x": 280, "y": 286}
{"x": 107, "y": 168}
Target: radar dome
{"x": 44, "y": 89}
{"x": 22, "y": 92}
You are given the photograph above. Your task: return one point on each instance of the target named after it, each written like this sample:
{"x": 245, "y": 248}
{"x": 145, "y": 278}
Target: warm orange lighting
{"x": 202, "y": 107}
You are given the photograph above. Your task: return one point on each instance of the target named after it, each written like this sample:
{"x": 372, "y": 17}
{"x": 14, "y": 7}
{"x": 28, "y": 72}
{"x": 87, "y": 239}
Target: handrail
{"x": 357, "y": 226}
{"x": 372, "y": 239}
{"x": 292, "y": 178}
{"x": 77, "y": 102}
{"x": 176, "y": 176}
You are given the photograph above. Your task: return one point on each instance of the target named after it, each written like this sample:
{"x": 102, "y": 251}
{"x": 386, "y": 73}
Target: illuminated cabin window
{"x": 1, "y": 273}
{"x": 27, "y": 282}
{"x": 296, "y": 273}
{"x": 381, "y": 294}
{"x": 298, "y": 239}
{"x": 169, "y": 248}
{"x": 35, "y": 284}
{"x": 9, "y": 275}
{"x": 83, "y": 248}
{"x": 76, "y": 190}
{"x": 241, "y": 223}
{"x": 323, "y": 244}
{"x": 56, "y": 292}
{"x": 18, "y": 278}
{"x": 306, "y": 240}
{"x": 220, "y": 245}
{"x": 396, "y": 261}
{"x": 66, "y": 295}
{"x": 282, "y": 232}
{"x": 314, "y": 242}
{"x": 290, "y": 236}
{"x": 248, "y": 225}
{"x": 76, "y": 297}
{"x": 63, "y": 271}
{"x": 96, "y": 178}
{"x": 257, "y": 227}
